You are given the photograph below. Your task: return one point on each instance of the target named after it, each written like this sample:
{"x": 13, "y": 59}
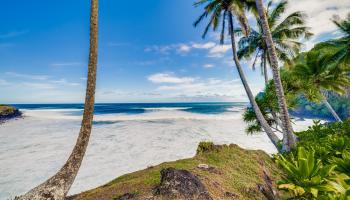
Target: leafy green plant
{"x": 337, "y": 188}
{"x": 343, "y": 163}
{"x": 306, "y": 176}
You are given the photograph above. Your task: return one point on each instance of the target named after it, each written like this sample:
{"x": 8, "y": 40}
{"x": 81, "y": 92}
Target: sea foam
{"x": 35, "y": 147}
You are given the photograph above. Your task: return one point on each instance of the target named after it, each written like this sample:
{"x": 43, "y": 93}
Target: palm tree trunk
{"x": 266, "y": 76}
{"x": 273, "y": 137}
{"x": 288, "y": 135}
{"x": 330, "y": 108}
{"x": 57, "y": 187}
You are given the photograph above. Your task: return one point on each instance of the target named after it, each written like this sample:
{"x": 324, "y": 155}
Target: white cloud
{"x": 218, "y": 51}
{"x": 35, "y": 81}
{"x": 208, "y": 66}
{"x": 207, "y": 45}
{"x": 66, "y": 64}
{"x": 200, "y": 89}
{"x": 169, "y": 78}
{"x": 320, "y": 12}
{"x": 160, "y": 49}
{"x": 28, "y": 76}
{"x": 40, "y": 86}
{"x": 205, "y": 88}
{"x": 64, "y": 82}
{"x": 184, "y": 48}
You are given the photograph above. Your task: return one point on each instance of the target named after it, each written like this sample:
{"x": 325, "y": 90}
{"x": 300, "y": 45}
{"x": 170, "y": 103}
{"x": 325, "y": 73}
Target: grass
{"x": 237, "y": 171}
{"x": 5, "y": 109}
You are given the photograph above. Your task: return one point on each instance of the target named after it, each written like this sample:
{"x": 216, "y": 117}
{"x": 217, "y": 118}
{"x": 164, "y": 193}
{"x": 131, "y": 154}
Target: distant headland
{"x": 8, "y": 112}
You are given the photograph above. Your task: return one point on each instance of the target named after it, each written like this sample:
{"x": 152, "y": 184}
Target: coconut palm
{"x": 340, "y": 46}
{"x": 315, "y": 69}
{"x": 58, "y": 185}
{"x": 286, "y": 34}
{"x": 221, "y": 12}
{"x": 289, "y": 138}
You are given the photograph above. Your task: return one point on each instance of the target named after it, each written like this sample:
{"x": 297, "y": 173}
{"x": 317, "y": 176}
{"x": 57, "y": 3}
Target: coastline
{"x": 120, "y": 144}
{"x": 9, "y": 113}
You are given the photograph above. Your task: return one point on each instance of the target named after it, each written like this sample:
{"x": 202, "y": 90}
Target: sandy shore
{"x": 33, "y": 148}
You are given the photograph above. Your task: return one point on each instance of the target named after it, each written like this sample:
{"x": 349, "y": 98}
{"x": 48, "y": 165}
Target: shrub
{"x": 305, "y": 174}
{"x": 204, "y": 147}
{"x": 319, "y": 168}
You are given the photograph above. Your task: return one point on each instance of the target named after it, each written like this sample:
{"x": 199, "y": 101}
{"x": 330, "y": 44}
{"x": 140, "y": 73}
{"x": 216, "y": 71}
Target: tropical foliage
{"x": 306, "y": 176}
{"x": 227, "y": 11}
{"x": 314, "y": 68}
{"x": 267, "y": 101}
{"x": 340, "y": 47}
{"x": 319, "y": 169}
{"x": 286, "y": 34}
{"x": 340, "y": 103}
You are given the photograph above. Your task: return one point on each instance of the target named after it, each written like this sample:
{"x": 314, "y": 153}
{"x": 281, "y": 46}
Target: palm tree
{"x": 225, "y": 10}
{"x": 320, "y": 76}
{"x": 289, "y": 138}
{"x": 340, "y": 46}
{"x": 286, "y": 34}
{"x": 58, "y": 185}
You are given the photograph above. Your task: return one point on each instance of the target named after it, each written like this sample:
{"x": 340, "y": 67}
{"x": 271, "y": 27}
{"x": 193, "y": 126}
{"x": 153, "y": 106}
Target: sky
{"x": 149, "y": 51}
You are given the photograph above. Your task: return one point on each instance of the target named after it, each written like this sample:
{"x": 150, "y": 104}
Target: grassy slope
{"x": 237, "y": 171}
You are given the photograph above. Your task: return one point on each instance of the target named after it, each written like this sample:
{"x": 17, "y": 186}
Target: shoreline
{"x": 115, "y": 149}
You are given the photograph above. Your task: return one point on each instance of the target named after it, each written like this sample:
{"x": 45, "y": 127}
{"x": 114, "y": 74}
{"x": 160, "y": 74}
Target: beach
{"x": 35, "y": 147}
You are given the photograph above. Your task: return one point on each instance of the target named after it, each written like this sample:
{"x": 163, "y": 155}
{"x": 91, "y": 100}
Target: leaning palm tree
{"x": 57, "y": 187}
{"x": 225, "y": 10}
{"x": 286, "y": 34}
{"x": 314, "y": 68}
{"x": 339, "y": 46}
{"x": 289, "y": 138}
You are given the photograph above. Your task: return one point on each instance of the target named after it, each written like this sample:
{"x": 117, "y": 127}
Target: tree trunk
{"x": 330, "y": 108}
{"x": 57, "y": 187}
{"x": 288, "y": 135}
{"x": 273, "y": 137}
{"x": 266, "y": 76}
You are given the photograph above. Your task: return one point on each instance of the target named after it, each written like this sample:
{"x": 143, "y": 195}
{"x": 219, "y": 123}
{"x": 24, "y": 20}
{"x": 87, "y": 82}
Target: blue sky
{"x": 148, "y": 51}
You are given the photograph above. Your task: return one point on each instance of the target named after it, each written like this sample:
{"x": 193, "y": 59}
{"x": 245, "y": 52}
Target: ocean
{"x": 125, "y": 138}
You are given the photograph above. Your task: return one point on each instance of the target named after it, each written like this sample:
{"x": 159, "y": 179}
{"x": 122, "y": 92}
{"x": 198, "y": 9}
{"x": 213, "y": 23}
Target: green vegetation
{"x": 236, "y": 171}
{"x": 6, "y": 109}
{"x": 286, "y": 34}
{"x": 8, "y": 112}
{"x": 310, "y": 81}
{"x": 341, "y": 105}
{"x": 320, "y": 167}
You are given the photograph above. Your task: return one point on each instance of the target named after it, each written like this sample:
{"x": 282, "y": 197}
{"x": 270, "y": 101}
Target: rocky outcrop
{"x": 8, "y": 112}
{"x": 181, "y": 184}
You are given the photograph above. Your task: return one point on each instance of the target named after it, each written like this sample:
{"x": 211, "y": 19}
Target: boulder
{"x": 181, "y": 184}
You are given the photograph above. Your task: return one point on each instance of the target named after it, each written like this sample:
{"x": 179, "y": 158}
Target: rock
{"x": 8, "y": 112}
{"x": 208, "y": 168}
{"x": 203, "y": 166}
{"x": 181, "y": 184}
